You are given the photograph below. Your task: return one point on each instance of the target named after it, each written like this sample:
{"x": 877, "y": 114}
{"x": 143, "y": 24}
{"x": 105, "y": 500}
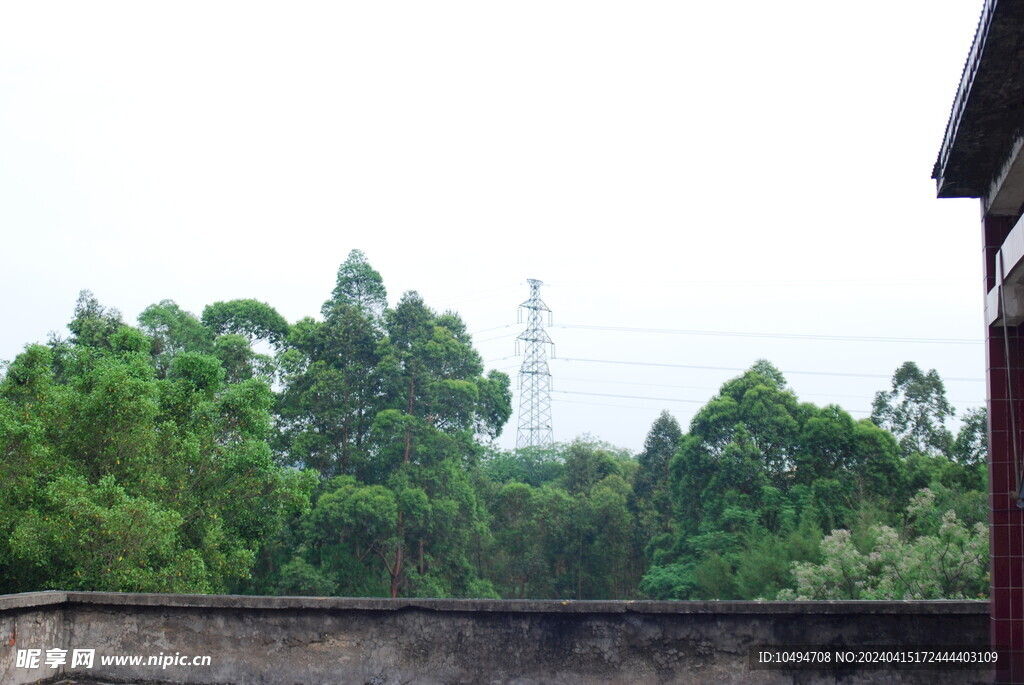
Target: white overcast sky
{"x": 746, "y": 166}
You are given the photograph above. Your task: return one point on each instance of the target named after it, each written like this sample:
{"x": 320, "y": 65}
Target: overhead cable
{"x": 787, "y": 336}
{"x": 732, "y": 368}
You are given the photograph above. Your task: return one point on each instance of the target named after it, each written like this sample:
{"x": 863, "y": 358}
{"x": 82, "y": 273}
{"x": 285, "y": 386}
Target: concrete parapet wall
{"x": 291, "y": 640}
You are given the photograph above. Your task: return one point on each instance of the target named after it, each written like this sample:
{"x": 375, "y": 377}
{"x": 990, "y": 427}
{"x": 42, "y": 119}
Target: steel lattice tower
{"x": 534, "y": 376}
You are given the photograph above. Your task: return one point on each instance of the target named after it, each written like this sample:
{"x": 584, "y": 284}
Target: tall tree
{"x": 971, "y": 446}
{"x": 660, "y": 446}
{"x": 358, "y": 285}
{"x": 93, "y": 324}
{"x": 332, "y": 384}
{"x": 915, "y": 410}
{"x": 393, "y": 403}
{"x": 651, "y": 500}
{"x": 332, "y": 391}
{"x": 432, "y": 377}
{"x": 519, "y": 564}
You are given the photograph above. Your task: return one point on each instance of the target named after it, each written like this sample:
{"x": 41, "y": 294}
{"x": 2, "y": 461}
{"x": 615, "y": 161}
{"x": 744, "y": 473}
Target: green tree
{"x": 332, "y": 391}
{"x": 616, "y": 569}
{"x": 119, "y": 479}
{"x": 432, "y": 380}
{"x": 358, "y": 285}
{"x": 669, "y": 581}
{"x": 349, "y": 531}
{"x": 876, "y": 469}
{"x": 172, "y": 330}
{"x": 254, "y": 319}
{"x": 915, "y": 410}
{"x": 971, "y": 446}
{"x": 757, "y": 479}
{"x": 534, "y": 466}
{"x": 333, "y": 386}
{"x": 827, "y": 444}
{"x": 651, "y": 486}
{"x": 93, "y": 324}
{"x": 936, "y": 556}
{"x": 760, "y": 402}
{"x": 587, "y": 463}
{"x": 520, "y": 562}
{"x": 568, "y": 530}
{"x": 650, "y": 501}
{"x": 394, "y": 404}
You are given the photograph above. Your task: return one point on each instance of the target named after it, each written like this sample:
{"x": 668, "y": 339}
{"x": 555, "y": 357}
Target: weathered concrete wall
{"x": 290, "y": 640}
{"x": 32, "y": 619}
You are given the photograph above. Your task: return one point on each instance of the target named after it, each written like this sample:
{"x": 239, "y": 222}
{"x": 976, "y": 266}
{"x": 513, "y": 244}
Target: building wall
{"x": 276, "y": 640}
{"x": 1005, "y": 375}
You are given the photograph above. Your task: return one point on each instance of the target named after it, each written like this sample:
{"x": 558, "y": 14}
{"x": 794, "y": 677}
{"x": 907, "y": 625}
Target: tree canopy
{"x": 355, "y": 454}
{"x": 134, "y": 470}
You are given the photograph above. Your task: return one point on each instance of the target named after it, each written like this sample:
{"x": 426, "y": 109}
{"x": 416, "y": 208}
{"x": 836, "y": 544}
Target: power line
{"x": 706, "y": 387}
{"x": 507, "y": 368}
{"x": 731, "y": 368}
{"x": 633, "y": 406}
{"x": 817, "y": 282}
{"x": 666, "y": 399}
{"x": 629, "y": 397}
{"x": 492, "y": 328}
{"x": 478, "y": 295}
{"x": 498, "y": 337}
{"x": 787, "y": 336}
{"x": 602, "y": 404}
{"x": 501, "y": 359}
{"x": 655, "y": 385}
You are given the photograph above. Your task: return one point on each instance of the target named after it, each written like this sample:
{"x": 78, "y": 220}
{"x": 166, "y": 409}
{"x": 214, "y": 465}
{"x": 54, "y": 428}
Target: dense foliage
{"x": 772, "y": 498}
{"x": 353, "y": 455}
{"x": 137, "y": 462}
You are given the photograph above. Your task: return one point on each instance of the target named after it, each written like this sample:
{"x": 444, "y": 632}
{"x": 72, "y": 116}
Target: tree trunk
{"x": 408, "y": 429}
{"x": 396, "y": 571}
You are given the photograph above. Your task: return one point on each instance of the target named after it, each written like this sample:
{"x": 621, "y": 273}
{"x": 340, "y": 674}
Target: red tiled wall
{"x": 1007, "y": 521}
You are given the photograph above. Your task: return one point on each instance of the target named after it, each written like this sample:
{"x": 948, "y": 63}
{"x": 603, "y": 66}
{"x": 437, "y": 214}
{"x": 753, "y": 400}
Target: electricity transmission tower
{"x": 534, "y": 376}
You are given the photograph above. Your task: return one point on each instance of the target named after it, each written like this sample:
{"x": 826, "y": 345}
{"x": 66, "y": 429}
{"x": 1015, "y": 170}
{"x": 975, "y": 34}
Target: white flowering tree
{"x": 936, "y": 556}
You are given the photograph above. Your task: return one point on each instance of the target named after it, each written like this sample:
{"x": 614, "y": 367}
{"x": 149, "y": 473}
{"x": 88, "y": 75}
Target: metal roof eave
{"x": 988, "y": 111}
